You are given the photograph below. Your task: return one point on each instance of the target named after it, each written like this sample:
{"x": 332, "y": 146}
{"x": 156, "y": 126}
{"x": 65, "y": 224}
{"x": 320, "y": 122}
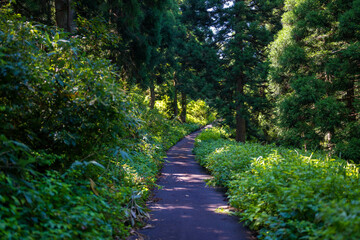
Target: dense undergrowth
{"x": 78, "y": 150}
{"x": 284, "y": 193}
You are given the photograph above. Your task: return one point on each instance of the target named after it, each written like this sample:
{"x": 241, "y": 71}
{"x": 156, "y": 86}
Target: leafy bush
{"x": 199, "y": 112}
{"x": 286, "y": 194}
{"x": 164, "y": 106}
{"x": 78, "y": 153}
{"x": 56, "y": 208}
{"x": 213, "y": 134}
{"x": 53, "y": 96}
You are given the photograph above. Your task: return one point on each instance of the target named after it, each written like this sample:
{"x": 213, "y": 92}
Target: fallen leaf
{"x": 93, "y": 185}
{"x": 148, "y": 226}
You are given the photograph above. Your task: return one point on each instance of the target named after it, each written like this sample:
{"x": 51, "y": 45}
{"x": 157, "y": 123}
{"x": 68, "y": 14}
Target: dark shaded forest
{"x": 93, "y": 93}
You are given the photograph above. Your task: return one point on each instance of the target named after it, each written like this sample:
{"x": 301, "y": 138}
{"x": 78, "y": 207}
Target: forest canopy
{"x": 279, "y": 71}
{"x": 92, "y": 93}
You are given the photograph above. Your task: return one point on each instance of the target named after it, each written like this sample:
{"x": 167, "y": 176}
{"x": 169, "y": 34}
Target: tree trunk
{"x": 350, "y": 97}
{"x": 49, "y": 14}
{"x": 152, "y": 96}
{"x": 176, "y": 110}
{"x": 64, "y": 14}
{"x": 240, "y": 120}
{"x": 69, "y": 17}
{"x": 183, "y": 108}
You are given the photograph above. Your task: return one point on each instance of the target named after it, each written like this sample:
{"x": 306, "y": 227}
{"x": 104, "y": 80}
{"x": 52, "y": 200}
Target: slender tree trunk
{"x": 240, "y": 120}
{"x": 64, "y": 14}
{"x": 49, "y": 13}
{"x": 350, "y": 97}
{"x": 176, "y": 110}
{"x": 265, "y": 128}
{"x": 69, "y": 17}
{"x": 183, "y": 108}
{"x": 60, "y": 13}
{"x": 152, "y": 96}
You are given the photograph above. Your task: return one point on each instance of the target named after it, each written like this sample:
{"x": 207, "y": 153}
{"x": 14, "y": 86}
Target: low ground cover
{"x": 284, "y": 193}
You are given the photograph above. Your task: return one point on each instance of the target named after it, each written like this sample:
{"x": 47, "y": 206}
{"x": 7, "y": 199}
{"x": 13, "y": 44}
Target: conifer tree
{"x": 197, "y": 54}
{"x": 247, "y": 29}
{"x": 315, "y": 63}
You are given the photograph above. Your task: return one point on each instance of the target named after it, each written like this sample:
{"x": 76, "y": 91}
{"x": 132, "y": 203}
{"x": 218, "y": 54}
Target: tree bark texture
{"x": 240, "y": 120}
{"x": 64, "y": 14}
{"x": 176, "y": 110}
{"x": 183, "y": 107}
{"x": 152, "y": 96}
{"x": 350, "y": 98}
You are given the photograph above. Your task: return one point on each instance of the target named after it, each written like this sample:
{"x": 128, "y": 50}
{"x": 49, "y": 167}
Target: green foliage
{"x": 53, "y": 207}
{"x": 36, "y": 10}
{"x": 314, "y": 71}
{"x": 246, "y": 28}
{"x": 92, "y": 199}
{"x": 78, "y": 153}
{"x": 15, "y": 157}
{"x": 97, "y": 39}
{"x": 200, "y": 113}
{"x": 53, "y": 95}
{"x": 164, "y": 106}
{"x": 136, "y": 32}
{"x": 80, "y": 149}
{"x": 283, "y": 193}
{"x": 213, "y": 133}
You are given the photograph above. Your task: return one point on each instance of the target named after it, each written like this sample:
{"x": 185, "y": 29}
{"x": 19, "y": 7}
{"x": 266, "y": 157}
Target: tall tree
{"x": 315, "y": 64}
{"x": 64, "y": 14}
{"x": 43, "y": 11}
{"x": 246, "y": 29}
{"x": 196, "y": 52}
{"x": 140, "y": 25}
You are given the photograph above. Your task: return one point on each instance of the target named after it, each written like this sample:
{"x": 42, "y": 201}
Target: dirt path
{"x": 185, "y": 208}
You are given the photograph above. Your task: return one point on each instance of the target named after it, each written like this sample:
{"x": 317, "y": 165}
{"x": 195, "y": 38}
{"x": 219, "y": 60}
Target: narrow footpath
{"x": 185, "y": 208}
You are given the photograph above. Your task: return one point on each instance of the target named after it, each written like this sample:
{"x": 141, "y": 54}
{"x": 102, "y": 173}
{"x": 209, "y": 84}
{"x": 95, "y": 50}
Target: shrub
{"x": 199, "y": 112}
{"x": 283, "y": 193}
{"x": 78, "y": 154}
{"x": 54, "y": 97}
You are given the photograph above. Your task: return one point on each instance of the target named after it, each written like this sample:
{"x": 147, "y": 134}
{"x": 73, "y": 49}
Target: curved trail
{"x": 185, "y": 208}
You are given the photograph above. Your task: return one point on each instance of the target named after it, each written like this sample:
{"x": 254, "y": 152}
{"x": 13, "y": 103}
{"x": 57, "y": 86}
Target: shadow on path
{"x": 185, "y": 208}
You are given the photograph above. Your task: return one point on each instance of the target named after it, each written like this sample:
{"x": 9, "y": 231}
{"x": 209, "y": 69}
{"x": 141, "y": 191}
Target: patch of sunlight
{"x": 224, "y": 210}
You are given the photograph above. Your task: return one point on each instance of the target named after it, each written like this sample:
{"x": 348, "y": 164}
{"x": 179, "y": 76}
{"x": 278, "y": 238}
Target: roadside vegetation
{"x": 79, "y": 152}
{"x": 284, "y": 193}
{"x": 92, "y": 94}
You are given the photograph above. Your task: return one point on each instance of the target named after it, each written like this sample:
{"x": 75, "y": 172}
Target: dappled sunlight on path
{"x": 184, "y": 207}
